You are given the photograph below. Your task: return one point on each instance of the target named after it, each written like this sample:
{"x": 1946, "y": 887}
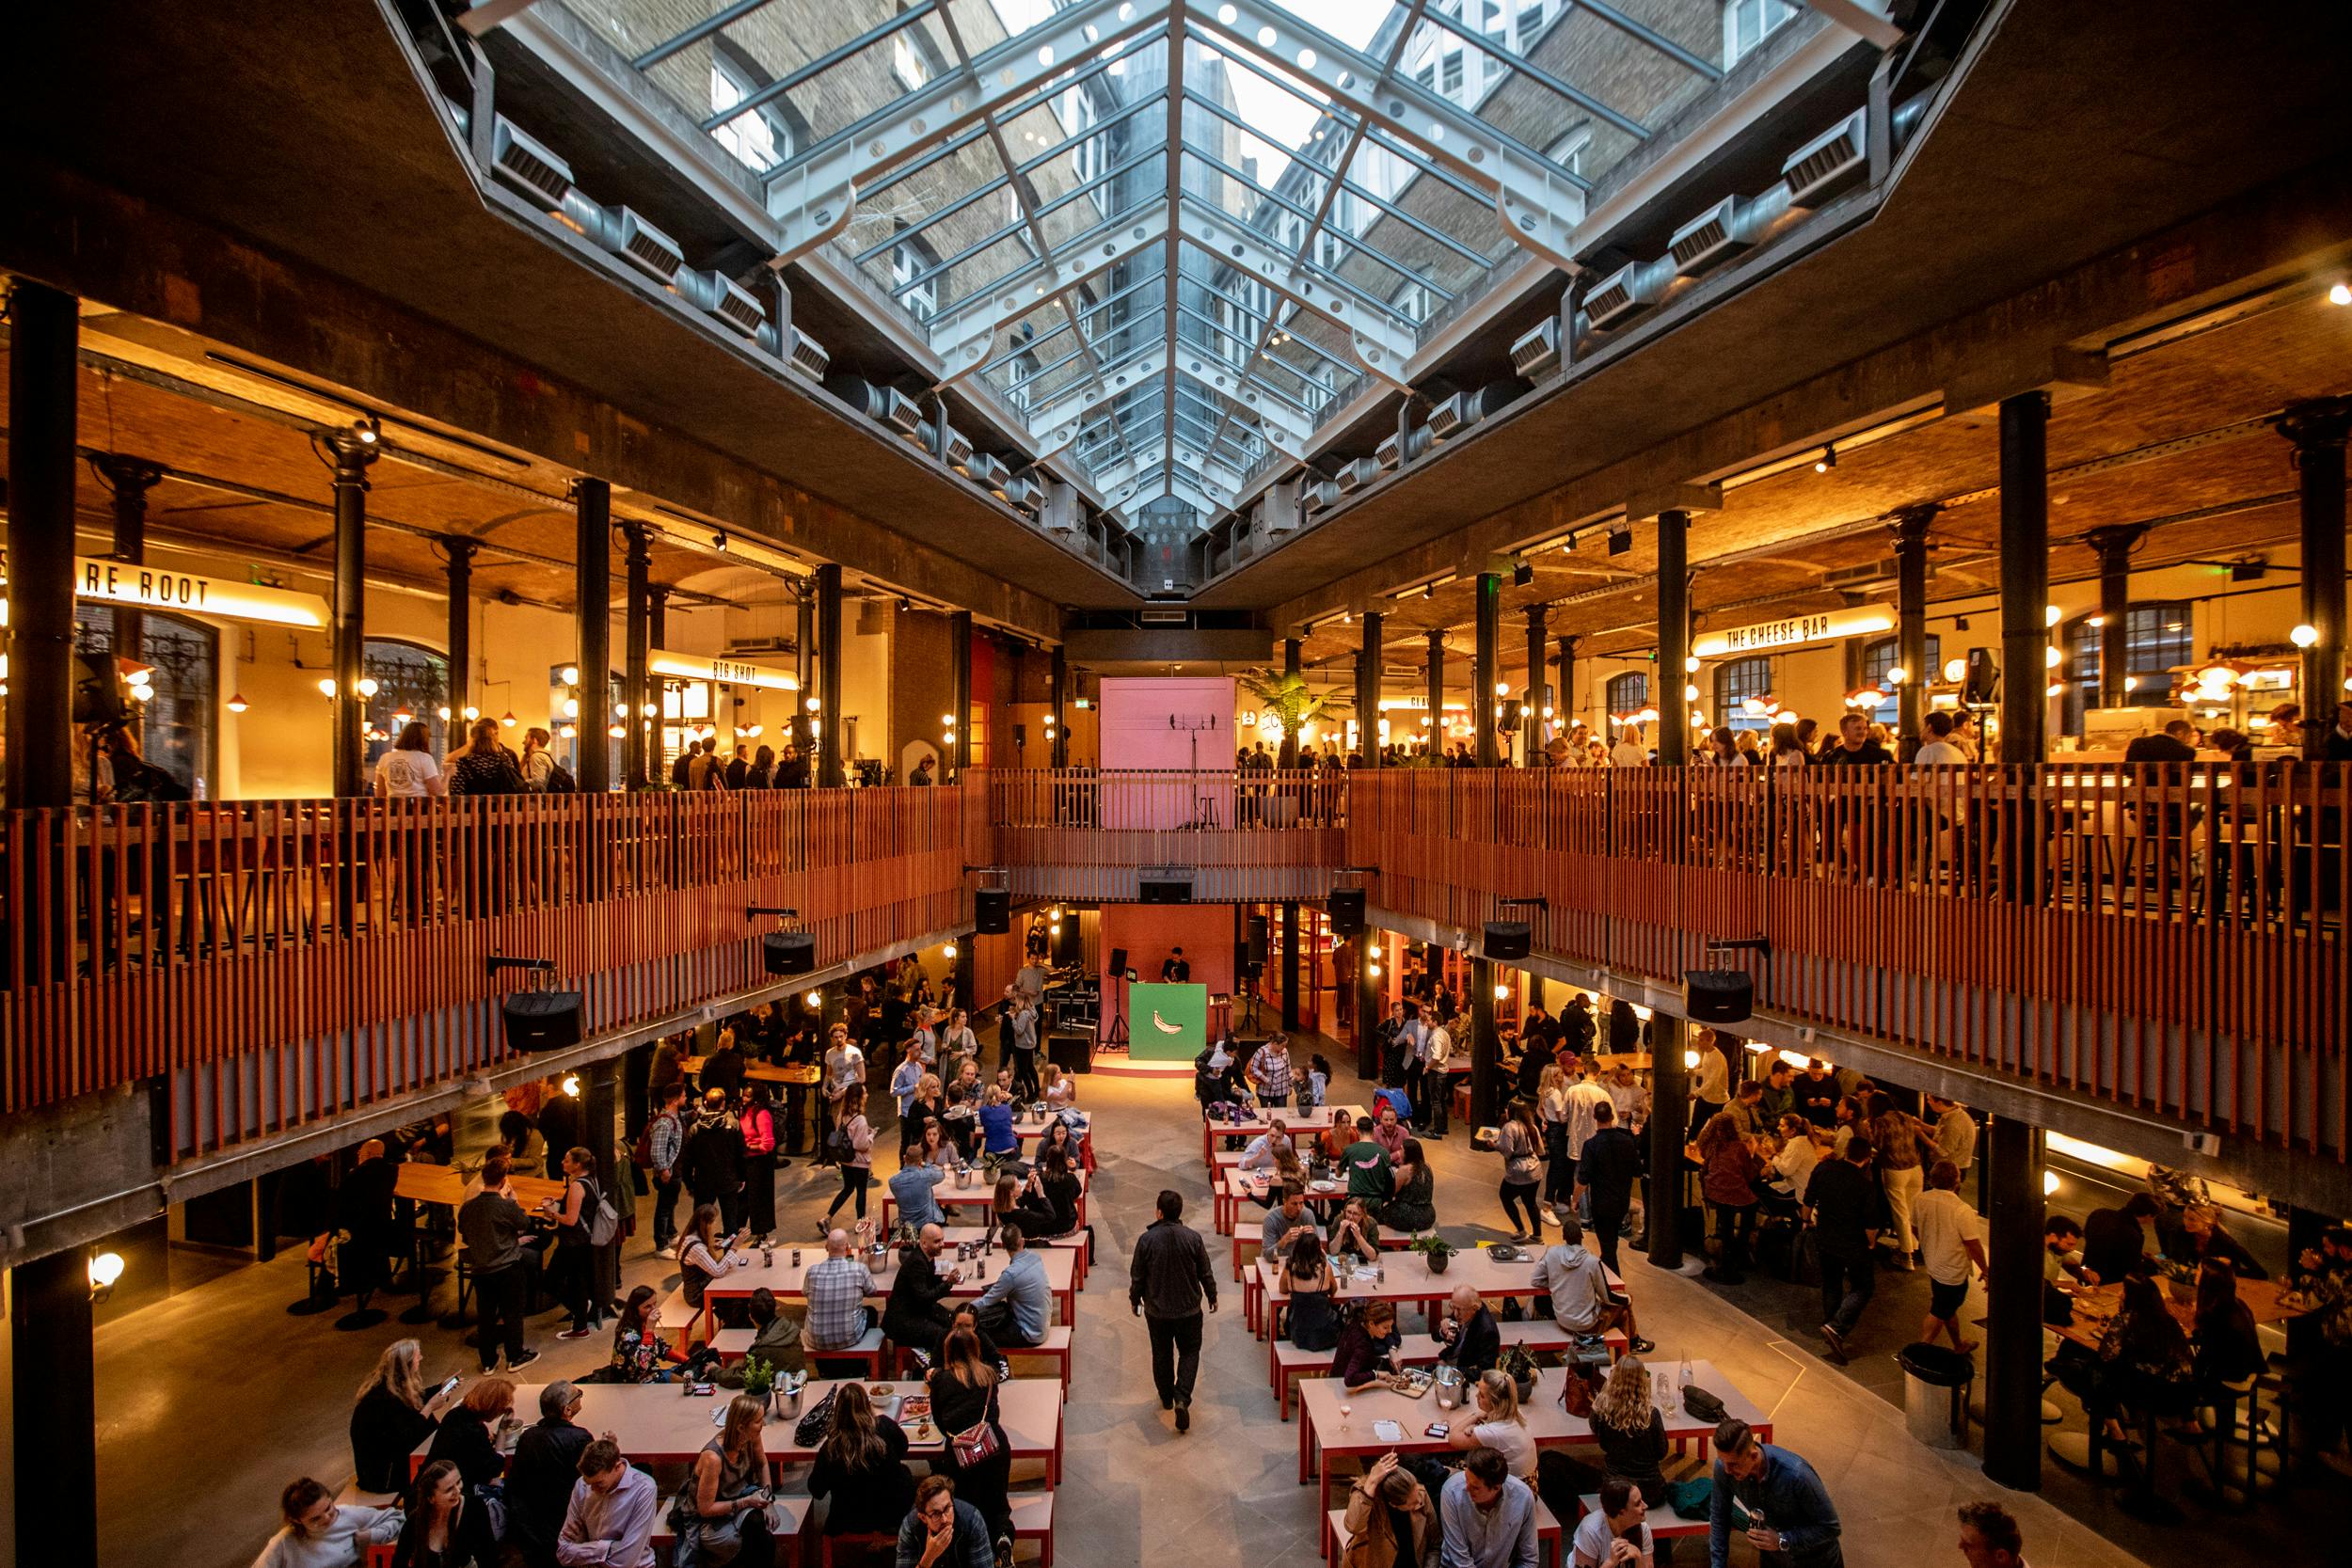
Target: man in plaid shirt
{"x": 1270, "y": 1071}
{"x": 664, "y": 1141}
{"x": 837, "y": 1289}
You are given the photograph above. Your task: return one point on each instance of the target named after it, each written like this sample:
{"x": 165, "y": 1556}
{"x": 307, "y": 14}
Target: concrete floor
{"x": 209, "y": 1403}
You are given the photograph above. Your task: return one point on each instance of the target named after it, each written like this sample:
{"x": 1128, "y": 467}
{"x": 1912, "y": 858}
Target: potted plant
{"x": 759, "y": 1381}
{"x": 1288, "y": 700}
{"x": 1435, "y": 1250}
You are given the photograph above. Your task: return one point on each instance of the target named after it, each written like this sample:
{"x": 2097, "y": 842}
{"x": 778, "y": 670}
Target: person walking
{"x": 491, "y": 1223}
{"x": 665, "y": 1146}
{"x": 1791, "y": 1522}
{"x": 1841, "y": 1199}
{"x": 1169, "y": 1283}
{"x": 1605, "y": 1174}
{"x": 714, "y": 1160}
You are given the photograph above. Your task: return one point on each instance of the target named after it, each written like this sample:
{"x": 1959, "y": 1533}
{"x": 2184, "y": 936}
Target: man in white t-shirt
{"x": 1437, "y": 1047}
{"x": 1951, "y": 1239}
{"x": 408, "y": 770}
{"x": 1937, "y": 749}
{"x": 1617, "y": 1535}
{"x": 1630, "y": 751}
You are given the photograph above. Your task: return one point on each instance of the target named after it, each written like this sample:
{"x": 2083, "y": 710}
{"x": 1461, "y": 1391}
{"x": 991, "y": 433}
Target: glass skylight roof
{"x": 1173, "y": 236}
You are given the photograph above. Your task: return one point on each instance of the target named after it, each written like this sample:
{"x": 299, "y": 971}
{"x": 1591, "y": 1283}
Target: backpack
{"x": 560, "y": 779}
{"x": 641, "y": 1152}
{"x": 604, "y": 1221}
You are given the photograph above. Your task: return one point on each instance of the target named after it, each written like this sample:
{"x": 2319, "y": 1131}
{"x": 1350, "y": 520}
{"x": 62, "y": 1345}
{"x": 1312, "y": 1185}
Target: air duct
{"x": 808, "y": 356}
{"x": 715, "y": 295}
{"x": 1024, "y": 493}
{"x": 1626, "y": 293}
{"x": 948, "y": 444}
{"x": 885, "y": 405}
{"x": 1830, "y": 162}
{"x": 987, "y": 471}
{"x": 1357, "y": 473}
{"x": 1462, "y": 410}
{"x": 528, "y": 165}
{"x": 1538, "y": 351}
{"x": 644, "y": 246}
{"x": 1317, "y": 496}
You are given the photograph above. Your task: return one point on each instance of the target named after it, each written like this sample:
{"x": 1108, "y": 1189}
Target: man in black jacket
{"x": 539, "y": 1482}
{"x": 1842, "y": 1198}
{"x": 1167, "y": 1284}
{"x": 1606, "y": 1170}
{"x": 917, "y": 1316}
{"x": 1468, "y": 1337}
{"x": 714, "y": 1160}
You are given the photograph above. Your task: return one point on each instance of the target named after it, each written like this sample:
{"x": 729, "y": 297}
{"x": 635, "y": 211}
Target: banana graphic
{"x": 1163, "y": 1025}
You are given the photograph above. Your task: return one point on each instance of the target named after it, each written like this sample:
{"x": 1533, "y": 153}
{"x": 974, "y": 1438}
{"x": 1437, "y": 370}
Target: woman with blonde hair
{"x": 1498, "y": 1424}
{"x": 732, "y": 1485}
{"x": 1626, "y": 1425}
{"x": 393, "y": 1415}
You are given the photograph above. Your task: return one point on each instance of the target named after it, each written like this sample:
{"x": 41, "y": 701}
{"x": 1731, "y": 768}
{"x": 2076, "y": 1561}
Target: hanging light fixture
{"x": 510, "y": 721}
{"x": 326, "y": 686}
{"x": 237, "y": 702}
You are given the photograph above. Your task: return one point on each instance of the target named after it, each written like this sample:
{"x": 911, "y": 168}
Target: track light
{"x": 2339, "y": 293}
{"x": 1620, "y": 540}
{"x": 1428, "y": 590}
{"x": 1827, "y": 461}
{"x": 719, "y": 543}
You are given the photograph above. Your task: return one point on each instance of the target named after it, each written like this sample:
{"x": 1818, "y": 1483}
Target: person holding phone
{"x": 732, "y": 1486}
{"x": 392, "y": 1414}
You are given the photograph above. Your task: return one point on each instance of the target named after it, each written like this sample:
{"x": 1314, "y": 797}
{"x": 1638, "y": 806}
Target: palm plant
{"x": 1288, "y": 699}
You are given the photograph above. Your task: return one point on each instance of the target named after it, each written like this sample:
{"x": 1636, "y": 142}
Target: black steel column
{"x": 964, "y": 962}
{"x": 2024, "y": 577}
{"x": 53, "y": 1363}
{"x": 1290, "y": 965}
{"x": 1485, "y": 1048}
{"x": 829, "y": 773}
{"x": 1486, "y": 661}
{"x": 1674, "y": 642}
{"x": 1368, "y": 675}
{"x": 1669, "y": 1130}
{"x": 1059, "y": 753}
{"x": 636, "y": 659}
{"x": 2012, "y": 1326}
{"x": 43, "y": 334}
{"x": 2114, "y": 547}
{"x": 1564, "y": 704}
{"x": 352, "y": 458}
{"x": 1436, "y": 678}
{"x": 1538, "y": 689}
{"x": 1290, "y": 733}
{"x": 129, "y": 480}
{"x": 959, "y": 688}
{"x": 1909, "y": 527}
{"x": 461, "y": 553}
{"x": 2317, "y": 430}
{"x": 804, "y": 669}
{"x": 591, "y": 579}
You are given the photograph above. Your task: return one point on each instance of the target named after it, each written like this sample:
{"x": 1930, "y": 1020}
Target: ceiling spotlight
{"x": 1521, "y": 575}
{"x": 2339, "y": 293}
{"x": 719, "y": 543}
{"x": 906, "y": 605}
{"x": 367, "y": 431}
{"x": 1827, "y": 461}
{"x": 1428, "y": 590}
{"x": 1620, "y": 540}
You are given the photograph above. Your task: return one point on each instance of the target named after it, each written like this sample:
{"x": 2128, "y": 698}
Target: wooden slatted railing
{"x": 2168, "y": 938}
{"x": 1079, "y": 834}
{"x": 273, "y": 961}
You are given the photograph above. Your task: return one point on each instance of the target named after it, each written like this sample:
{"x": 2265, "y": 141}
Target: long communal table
{"x": 1410, "y": 1281}
{"x": 786, "y": 1280}
{"x": 1303, "y": 1125}
{"x": 976, "y": 1203}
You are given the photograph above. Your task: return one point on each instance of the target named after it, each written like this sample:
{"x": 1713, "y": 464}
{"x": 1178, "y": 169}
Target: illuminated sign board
{"x": 1793, "y": 632}
{"x": 121, "y": 582}
{"x": 710, "y": 667}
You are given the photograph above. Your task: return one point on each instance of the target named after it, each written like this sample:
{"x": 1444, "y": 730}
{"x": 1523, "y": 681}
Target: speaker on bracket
{"x": 991, "y": 912}
{"x": 788, "y": 952}
{"x": 1165, "y": 890}
{"x": 1507, "y": 939}
{"x": 1254, "y": 950}
{"x": 542, "y": 1020}
{"x": 1718, "y": 995}
{"x": 1345, "y": 908}
{"x": 1981, "y": 684}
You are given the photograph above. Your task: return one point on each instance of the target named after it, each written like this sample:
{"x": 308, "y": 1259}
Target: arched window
{"x": 2156, "y": 638}
{"x": 1879, "y": 657}
{"x": 1629, "y": 692}
{"x": 177, "y": 725}
{"x": 411, "y": 684}
{"x": 1734, "y": 682}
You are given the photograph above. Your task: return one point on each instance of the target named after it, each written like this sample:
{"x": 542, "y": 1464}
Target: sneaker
{"x": 1004, "y": 1551}
{"x": 1640, "y": 1346}
{"x": 1183, "y": 1413}
{"x": 575, "y": 1334}
{"x": 1837, "y": 1343}
{"x": 517, "y": 1362}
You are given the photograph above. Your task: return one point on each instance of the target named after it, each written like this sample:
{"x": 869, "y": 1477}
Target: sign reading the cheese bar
{"x": 124, "y": 582}
{"x": 732, "y": 672}
{"x": 1793, "y": 632}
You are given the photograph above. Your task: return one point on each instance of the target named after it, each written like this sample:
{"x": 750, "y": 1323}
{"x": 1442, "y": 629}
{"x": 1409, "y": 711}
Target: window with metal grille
{"x": 177, "y": 725}
{"x": 1879, "y": 657}
{"x": 1629, "y": 692}
{"x": 1734, "y": 682}
{"x": 2156, "y": 637}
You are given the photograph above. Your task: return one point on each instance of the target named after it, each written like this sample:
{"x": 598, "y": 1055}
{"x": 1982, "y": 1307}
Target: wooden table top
{"x": 1551, "y": 1426}
{"x": 982, "y": 1194}
{"x": 1030, "y": 1127}
{"x": 767, "y": 1072}
{"x": 444, "y": 1185}
{"x": 1409, "y": 1277}
{"x": 2096, "y": 1307}
{"x": 1257, "y": 1183}
{"x": 657, "y": 1423}
{"x": 1301, "y": 1123}
{"x": 786, "y": 1280}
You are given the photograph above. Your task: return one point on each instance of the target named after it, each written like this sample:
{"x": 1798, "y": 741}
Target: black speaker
{"x": 542, "y": 1020}
{"x": 1718, "y": 995}
{"x": 98, "y": 690}
{"x": 1118, "y": 964}
{"x": 1982, "y": 682}
{"x": 1072, "y": 1053}
{"x": 991, "y": 912}
{"x": 1165, "y": 890}
{"x": 1255, "y": 948}
{"x": 1344, "y": 908}
{"x": 1507, "y": 939}
{"x": 788, "y": 952}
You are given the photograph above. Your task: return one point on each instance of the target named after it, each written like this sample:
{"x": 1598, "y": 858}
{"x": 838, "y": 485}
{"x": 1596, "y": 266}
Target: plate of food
{"x": 912, "y": 1408}
{"x": 1416, "y": 1383}
{"x": 877, "y": 1390}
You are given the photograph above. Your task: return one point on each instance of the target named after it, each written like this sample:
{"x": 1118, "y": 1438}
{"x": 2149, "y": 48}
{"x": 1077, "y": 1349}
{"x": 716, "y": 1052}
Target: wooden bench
{"x": 1540, "y": 1335}
{"x": 792, "y": 1511}
{"x": 1664, "y": 1523}
{"x": 1055, "y": 1348}
{"x": 1548, "y": 1547}
{"x": 869, "y": 1351}
{"x": 1033, "y": 1520}
{"x": 681, "y": 1323}
{"x": 377, "y": 1554}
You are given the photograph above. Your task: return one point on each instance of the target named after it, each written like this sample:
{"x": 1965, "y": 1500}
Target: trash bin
{"x": 1935, "y": 1394}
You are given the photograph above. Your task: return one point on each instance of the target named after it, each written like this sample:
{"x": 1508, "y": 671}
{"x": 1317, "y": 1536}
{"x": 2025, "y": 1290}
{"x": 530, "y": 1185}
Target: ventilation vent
{"x": 1390, "y": 453}
{"x": 1023, "y": 494}
{"x": 1357, "y": 473}
{"x": 1705, "y": 240}
{"x": 809, "y": 357}
{"x": 647, "y": 249}
{"x": 1621, "y": 297}
{"x": 988, "y": 472}
{"x": 1464, "y": 410}
{"x": 529, "y": 166}
{"x": 955, "y": 448}
{"x": 885, "y": 405}
{"x": 1538, "y": 351}
{"x": 735, "y": 305}
{"x": 1828, "y": 164}
{"x": 1319, "y": 497}
{"x": 1162, "y": 615}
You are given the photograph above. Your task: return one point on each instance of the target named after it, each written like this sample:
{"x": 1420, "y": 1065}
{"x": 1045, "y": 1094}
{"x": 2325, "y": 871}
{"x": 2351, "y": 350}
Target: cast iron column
{"x": 2025, "y": 578}
{"x": 1669, "y": 1130}
{"x": 959, "y": 682}
{"x": 461, "y": 553}
{"x": 1368, "y": 674}
{"x": 2317, "y": 430}
{"x": 43, "y": 335}
{"x": 2013, "y": 1325}
{"x": 352, "y": 458}
{"x": 1290, "y": 965}
{"x": 1538, "y": 689}
{"x": 1058, "y": 755}
{"x": 1485, "y": 1048}
{"x": 2114, "y": 547}
{"x": 129, "y": 480}
{"x": 804, "y": 669}
{"x": 829, "y": 772}
{"x": 591, "y": 589}
{"x": 1564, "y": 704}
{"x": 637, "y": 658}
{"x": 1486, "y": 661}
{"x": 1674, "y": 642}
{"x": 1909, "y": 527}
{"x": 1436, "y": 674}
{"x": 54, "y": 1367}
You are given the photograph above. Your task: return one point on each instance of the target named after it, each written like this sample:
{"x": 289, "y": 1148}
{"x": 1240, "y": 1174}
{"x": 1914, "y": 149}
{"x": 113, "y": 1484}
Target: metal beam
{"x": 1860, "y": 20}
{"x": 1383, "y": 343}
{"x": 813, "y": 199}
{"x": 1056, "y": 425}
{"x": 963, "y": 339}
